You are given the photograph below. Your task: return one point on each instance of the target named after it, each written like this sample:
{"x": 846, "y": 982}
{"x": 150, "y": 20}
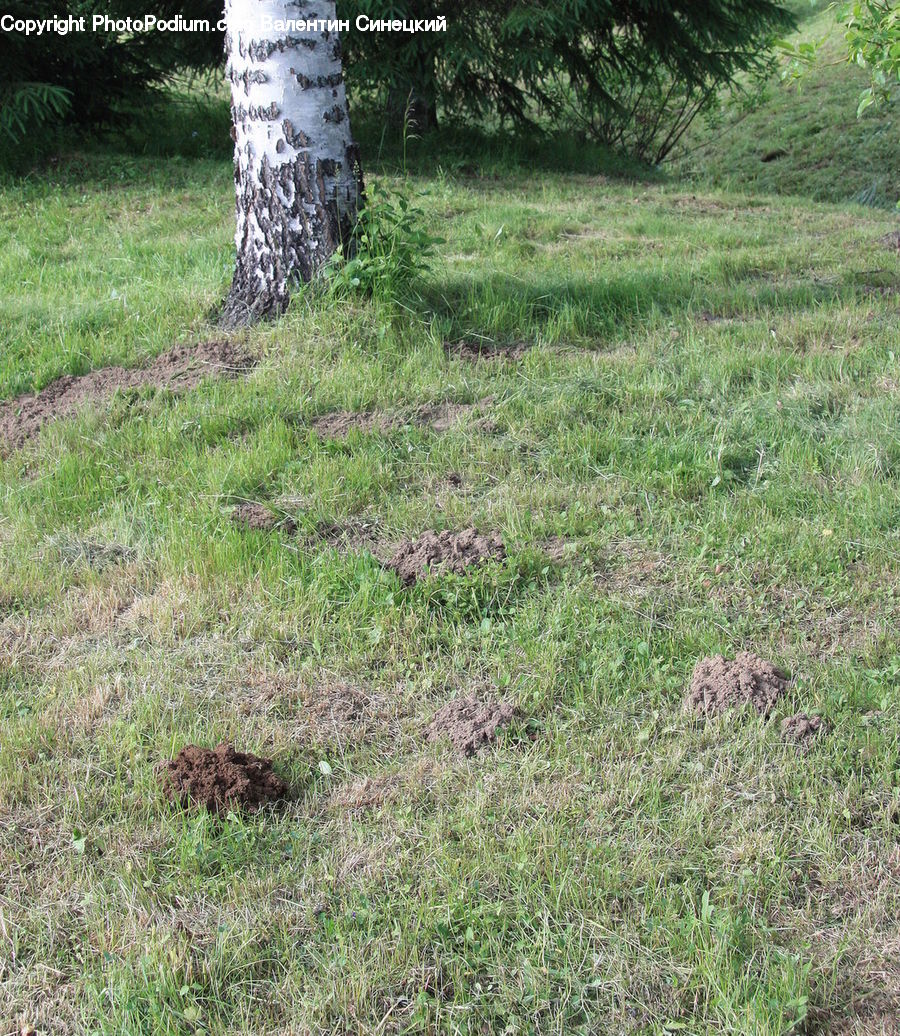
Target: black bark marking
{"x": 304, "y": 191}
{"x": 255, "y": 113}
{"x": 261, "y": 50}
{"x": 296, "y": 138}
{"x": 335, "y": 115}
{"x": 309, "y": 83}
{"x": 247, "y": 78}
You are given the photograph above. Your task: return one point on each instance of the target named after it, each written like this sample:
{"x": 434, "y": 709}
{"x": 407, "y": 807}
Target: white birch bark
{"x": 296, "y": 166}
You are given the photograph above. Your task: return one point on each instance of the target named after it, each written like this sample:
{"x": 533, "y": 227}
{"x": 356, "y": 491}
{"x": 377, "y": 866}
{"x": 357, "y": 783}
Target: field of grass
{"x": 816, "y": 146}
{"x": 699, "y": 453}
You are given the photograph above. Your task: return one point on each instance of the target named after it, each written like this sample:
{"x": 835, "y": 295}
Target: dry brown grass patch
{"x": 374, "y": 792}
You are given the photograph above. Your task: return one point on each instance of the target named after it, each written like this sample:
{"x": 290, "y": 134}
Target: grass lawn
{"x": 816, "y": 146}
{"x": 699, "y": 453}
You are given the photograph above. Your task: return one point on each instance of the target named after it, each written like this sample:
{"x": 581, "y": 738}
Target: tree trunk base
{"x": 297, "y": 177}
{"x": 245, "y": 305}
{"x": 302, "y": 226}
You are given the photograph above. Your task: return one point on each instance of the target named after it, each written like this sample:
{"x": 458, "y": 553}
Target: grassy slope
{"x": 831, "y": 155}
{"x": 614, "y": 865}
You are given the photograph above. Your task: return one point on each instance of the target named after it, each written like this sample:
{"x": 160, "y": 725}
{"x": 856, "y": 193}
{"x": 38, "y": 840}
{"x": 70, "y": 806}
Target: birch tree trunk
{"x": 296, "y": 167}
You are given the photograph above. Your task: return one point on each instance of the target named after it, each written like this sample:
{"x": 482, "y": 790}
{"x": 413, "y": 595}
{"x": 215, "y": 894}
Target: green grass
{"x": 708, "y": 418}
{"x": 824, "y": 152}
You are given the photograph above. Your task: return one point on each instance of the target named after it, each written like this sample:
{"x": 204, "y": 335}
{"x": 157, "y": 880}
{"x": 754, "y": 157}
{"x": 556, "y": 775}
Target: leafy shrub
{"x": 873, "y": 40}
{"x": 390, "y": 248}
{"x": 872, "y": 33}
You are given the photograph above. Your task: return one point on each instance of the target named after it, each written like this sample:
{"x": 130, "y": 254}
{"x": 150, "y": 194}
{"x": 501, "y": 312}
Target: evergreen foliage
{"x": 82, "y": 76}
{"x": 631, "y": 73}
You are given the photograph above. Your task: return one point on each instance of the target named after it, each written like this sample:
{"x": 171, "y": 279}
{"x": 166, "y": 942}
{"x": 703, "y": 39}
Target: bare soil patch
{"x": 470, "y": 723}
{"x": 709, "y": 317}
{"x": 702, "y": 206}
{"x": 338, "y": 707}
{"x": 339, "y": 423}
{"x": 329, "y": 712}
{"x": 633, "y": 569}
{"x": 719, "y": 685}
{"x": 446, "y": 487}
{"x": 368, "y": 793}
{"x": 866, "y": 1023}
{"x": 475, "y": 349}
{"x": 412, "y": 559}
{"x": 560, "y": 550}
{"x": 355, "y": 534}
{"x": 881, "y": 291}
{"x": 439, "y": 417}
{"x": 181, "y": 368}
{"x": 221, "y": 778}
{"x": 415, "y": 779}
{"x": 856, "y": 951}
{"x": 802, "y": 729}
{"x": 258, "y": 517}
{"x": 444, "y": 551}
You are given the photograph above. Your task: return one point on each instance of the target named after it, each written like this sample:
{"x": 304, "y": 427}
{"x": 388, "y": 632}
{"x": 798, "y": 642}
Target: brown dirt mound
{"x": 560, "y": 550}
{"x": 440, "y": 417}
{"x": 221, "y": 779}
{"x": 260, "y": 518}
{"x": 183, "y": 367}
{"x": 476, "y": 349}
{"x": 470, "y": 723}
{"x": 891, "y": 240}
{"x": 339, "y": 423}
{"x": 719, "y": 685}
{"x": 354, "y": 534}
{"x": 802, "y": 728}
{"x": 444, "y": 551}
